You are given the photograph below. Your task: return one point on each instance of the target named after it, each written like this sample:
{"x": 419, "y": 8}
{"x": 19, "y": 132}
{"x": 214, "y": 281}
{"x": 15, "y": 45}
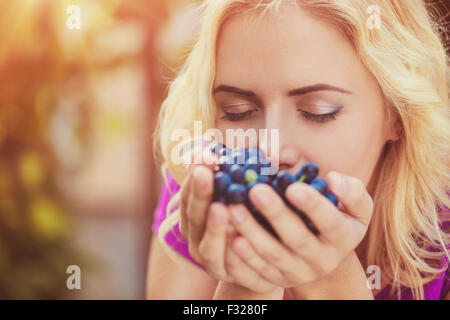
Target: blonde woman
{"x": 366, "y": 101}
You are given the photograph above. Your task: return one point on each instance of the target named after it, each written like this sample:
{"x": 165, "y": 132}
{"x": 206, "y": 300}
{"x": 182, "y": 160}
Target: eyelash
{"x": 235, "y": 116}
{"x": 320, "y": 118}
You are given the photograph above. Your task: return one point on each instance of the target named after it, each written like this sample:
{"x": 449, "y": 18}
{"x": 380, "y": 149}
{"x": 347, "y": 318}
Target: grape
{"x": 320, "y": 185}
{"x": 239, "y": 170}
{"x": 220, "y": 198}
{"x": 275, "y": 187}
{"x": 216, "y": 147}
{"x": 307, "y": 173}
{"x": 237, "y": 173}
{"x": 332, "y": 198}
{"x": 284, "y": 179}
{"x": 223, "y": 152}
{"x": 222, "y": 181}
{"x": 225, "y": 163}
{"x": 265, "y": 179}
{"x": 238, "y": 156}
{"x": 253, "y": 164}
{"x": 251, "y": 175}
{"x": 253, "y": 152}
{"x": 236, "y": 193}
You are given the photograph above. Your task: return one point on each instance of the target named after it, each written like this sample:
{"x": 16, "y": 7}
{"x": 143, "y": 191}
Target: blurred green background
{"x": 78, "y": 182}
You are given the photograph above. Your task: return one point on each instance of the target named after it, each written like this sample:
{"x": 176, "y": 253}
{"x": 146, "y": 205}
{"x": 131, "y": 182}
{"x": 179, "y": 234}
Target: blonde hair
{"x": 407, "y": 57}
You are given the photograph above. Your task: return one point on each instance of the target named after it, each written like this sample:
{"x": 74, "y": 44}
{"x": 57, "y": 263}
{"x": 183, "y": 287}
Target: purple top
{"x": 434, "y": 290}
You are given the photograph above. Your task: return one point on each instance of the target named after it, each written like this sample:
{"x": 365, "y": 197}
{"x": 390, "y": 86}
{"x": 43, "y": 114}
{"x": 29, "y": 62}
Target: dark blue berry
{"x": 253, "y": 164}
{"x": 258, "y": 154}
{"x": 223, "y": 152}
{"x": 332, "y": 198}
{"x": 262, "y": 155}
{"x": 266, "y": 169}
{"x": 220, "y": 198}
{"x": 275, "y": 187}
{"x": 307, "y": 173}
{"x": 239, "y": 170}
{"x": 225, "y": 163}
{"x": 216, "y": 147}
{"x": 238, "y": 156}
{"x": 236, "y": 193}
{"x": 320, "y": 185}
{"x": 284, "y": 179}
{"x": 237, "y": 173}
{"x": 222, "y": 181}
{"x": 264, "y": 179}
{"x": 252, "y": 152}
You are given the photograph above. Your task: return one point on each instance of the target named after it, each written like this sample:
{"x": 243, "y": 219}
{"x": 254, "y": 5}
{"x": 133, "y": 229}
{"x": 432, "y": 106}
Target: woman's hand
{"x": 206, "y": 228}
{"x": 302, "y": 258}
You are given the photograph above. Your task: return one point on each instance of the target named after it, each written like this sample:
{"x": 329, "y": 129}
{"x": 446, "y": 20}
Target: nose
{"x": 278, "y": 141}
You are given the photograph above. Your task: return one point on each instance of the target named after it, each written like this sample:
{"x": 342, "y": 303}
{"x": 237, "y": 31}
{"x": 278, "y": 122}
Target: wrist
{"x": 231, "y": 291}
{"x": 348, "y": 281}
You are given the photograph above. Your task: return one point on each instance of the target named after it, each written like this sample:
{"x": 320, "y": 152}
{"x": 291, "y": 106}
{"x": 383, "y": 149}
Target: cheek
{"x": 352, "y": 147}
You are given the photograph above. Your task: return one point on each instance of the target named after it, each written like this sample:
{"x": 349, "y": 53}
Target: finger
{"x": 247, "y": 254}
{"x": 192, "y": 151}
{"x": 243, "y": 275}
{"x": 184, "y": 197}
{"x": 201, "y": 156}
{"x": 198, "y": 203}
{"x": 265, "y": 245}
{"x": 331, "y": 223}
{"x": 291, "y": 229}
{"x": 212, "y": 246}
{"x": 186, "y": 188}
{"x": 353, "y": 195}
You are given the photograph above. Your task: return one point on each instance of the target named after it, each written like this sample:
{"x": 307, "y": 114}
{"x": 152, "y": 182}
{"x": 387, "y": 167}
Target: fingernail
{"x": 237, "y": 215}
{"x": 217, "y": 218}
{"x": 199, "y": 179}
{"x": 263, "y": 197}
{"x": 301, "y": 195}
{"x": 340, "y": 183}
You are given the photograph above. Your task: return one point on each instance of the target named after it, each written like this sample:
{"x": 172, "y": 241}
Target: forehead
{"x": 282, "y": 48}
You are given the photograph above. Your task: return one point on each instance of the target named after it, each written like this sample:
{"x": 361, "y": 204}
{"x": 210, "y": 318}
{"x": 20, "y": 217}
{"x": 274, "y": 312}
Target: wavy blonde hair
{"x": 408, "y": 58}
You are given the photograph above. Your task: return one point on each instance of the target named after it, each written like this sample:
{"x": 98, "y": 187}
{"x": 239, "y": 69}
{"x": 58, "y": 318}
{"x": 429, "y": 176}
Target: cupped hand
{"x": 300, "y": 257}
{"x": 206, "y": 226}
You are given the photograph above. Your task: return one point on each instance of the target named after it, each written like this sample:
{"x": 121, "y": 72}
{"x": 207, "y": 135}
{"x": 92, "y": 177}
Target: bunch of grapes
{"x": 239, "y": 170}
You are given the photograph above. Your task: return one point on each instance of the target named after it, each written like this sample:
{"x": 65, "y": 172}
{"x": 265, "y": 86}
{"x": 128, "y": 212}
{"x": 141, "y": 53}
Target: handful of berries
{"x": 239, "y": 170}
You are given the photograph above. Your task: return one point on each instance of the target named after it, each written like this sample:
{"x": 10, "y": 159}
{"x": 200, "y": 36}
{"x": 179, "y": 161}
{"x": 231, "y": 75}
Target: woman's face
{"x": 298, "y": 74}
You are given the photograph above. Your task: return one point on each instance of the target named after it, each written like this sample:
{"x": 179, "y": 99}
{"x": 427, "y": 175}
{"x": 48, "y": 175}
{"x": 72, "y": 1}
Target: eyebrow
{"x": 317, "y": 87}
{"x": 295, "y": 92}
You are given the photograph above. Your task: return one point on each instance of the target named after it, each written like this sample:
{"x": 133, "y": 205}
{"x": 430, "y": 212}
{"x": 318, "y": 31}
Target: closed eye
{"x": 320, "y": 118}
{"x": 238, "y": 116}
